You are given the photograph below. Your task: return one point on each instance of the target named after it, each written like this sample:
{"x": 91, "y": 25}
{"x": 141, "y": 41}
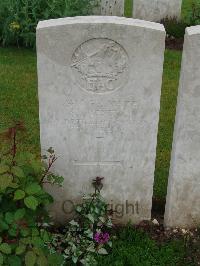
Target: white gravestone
{"x": 99, "y": 91}
{"x": 109, "y": 8}
{"x": 183, "y": 199}
{"x": 156, "y": 10}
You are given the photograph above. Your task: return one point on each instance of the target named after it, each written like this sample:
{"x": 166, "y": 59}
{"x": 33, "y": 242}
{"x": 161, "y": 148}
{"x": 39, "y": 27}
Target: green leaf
{"x": 3, "y": 226}
{"x": 5, "y": 181}
{"x": 51, "y": 150}
{"x": 20, "y": 249}
{"x": 17, "y": 171}
{"x": 102, "y": 219}
{"x": 37, "y": 241}
{"x": 1, "y": 259}
{"x": 5, "y": 248}
{"x": 26, "y": 241}
{"x": 13, "y": 185}
{"x": 42, "y": 261}
{"x": 89, "y": 233}
{"x": 91, "y": 249}
{"x": 12, "y": 232}
{"x": 74, "y": 259}
{"x": 45, "y": 236}
{"x": 35, "y": 232}
{"x": 19, "y": 194}
{"x": 37, "y": 251}
{"x": 33, "y": 188}
{"x": 110, "y": 244}
{"x": 19, "y": 214}
{"x": 90, "y": 217}
{"x": 102, "y": 251}
{"x": 14, "y": 261}
{"x": 25, "y": 232}
{"x": 78, "y": 208}
{"x": 9, "y": 217}
{"x": 3, "y": 169}
{"x": 30, "y": 258}
{"x": 54, "y": 179}
{"x": 31, "y": 202}
{"x": 55, "y": 259}
{"x": 74, "y": 223}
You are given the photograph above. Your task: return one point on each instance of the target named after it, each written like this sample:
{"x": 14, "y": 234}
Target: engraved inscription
{"x": 100, "y": 118}
{"x": 100, "y": 65}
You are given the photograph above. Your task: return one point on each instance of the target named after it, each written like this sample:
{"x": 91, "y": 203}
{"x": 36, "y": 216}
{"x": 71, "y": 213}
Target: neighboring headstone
{"x": 156, "y": 10}
{"x": 109, "y": 8}
{"x": 183, "y": 199}
{"x": 112, "y": 7}
{"x": 99, "y": 91}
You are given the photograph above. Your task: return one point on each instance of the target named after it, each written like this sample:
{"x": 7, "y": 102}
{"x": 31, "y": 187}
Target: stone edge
{"x": 100, "y": 20}
{"x": 193, "y": 30}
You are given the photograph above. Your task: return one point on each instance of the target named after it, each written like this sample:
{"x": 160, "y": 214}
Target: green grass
{"x": 135, "y": 248}
{"x": 167, "y": 115}
{"x": 186, "y": 8}
{"x": 128, "y": 8}
{"x": 18, "y": 93}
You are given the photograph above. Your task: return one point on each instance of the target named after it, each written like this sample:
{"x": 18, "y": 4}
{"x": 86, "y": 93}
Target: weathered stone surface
{"x": 156, "y": 10}
{"x": 109, "y": 8}
{"x": 99, "y": 90}
{"x": 183, "y": 199}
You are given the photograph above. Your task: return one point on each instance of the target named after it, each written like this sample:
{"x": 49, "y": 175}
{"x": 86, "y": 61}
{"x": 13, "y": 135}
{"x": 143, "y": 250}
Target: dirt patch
{"x": 174, "y": 44}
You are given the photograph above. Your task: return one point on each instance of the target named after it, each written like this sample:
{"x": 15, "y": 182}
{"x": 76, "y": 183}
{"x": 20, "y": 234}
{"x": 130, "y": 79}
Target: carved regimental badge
{"x": 100, "y": 65}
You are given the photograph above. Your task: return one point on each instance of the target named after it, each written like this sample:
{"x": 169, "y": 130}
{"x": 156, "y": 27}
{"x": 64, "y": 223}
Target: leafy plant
{"x": 89, "y": 233}
{"x": 23, "y": 216}
{"x": 174, "y": 28}
{"x": 19, "y": 18}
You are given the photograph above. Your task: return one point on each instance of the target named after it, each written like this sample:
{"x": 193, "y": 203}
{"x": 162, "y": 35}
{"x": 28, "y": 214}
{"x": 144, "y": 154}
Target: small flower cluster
{"x": 101, "y": 238}
{"x": 14, "y": 26}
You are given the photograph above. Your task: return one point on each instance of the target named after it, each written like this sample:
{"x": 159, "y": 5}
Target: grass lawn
{"x": 186, "y": 8}
{"x": 167, "y": 115}
{"x": 128, "y": 8}
{"x": 135, "y": 248}
{"x": 18, "y": 98}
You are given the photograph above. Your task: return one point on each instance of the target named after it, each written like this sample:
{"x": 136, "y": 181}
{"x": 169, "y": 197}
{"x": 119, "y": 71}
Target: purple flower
{"x": 101, "y": 238}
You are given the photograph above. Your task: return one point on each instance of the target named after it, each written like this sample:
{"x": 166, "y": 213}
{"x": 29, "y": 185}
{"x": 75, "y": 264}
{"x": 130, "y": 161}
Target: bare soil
{"x": 174, "y": 44}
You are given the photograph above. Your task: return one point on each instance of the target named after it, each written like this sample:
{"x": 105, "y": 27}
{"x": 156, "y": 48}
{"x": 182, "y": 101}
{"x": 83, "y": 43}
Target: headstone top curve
{"x": 193, "y": 30}
{"x": 100, "y": 20}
